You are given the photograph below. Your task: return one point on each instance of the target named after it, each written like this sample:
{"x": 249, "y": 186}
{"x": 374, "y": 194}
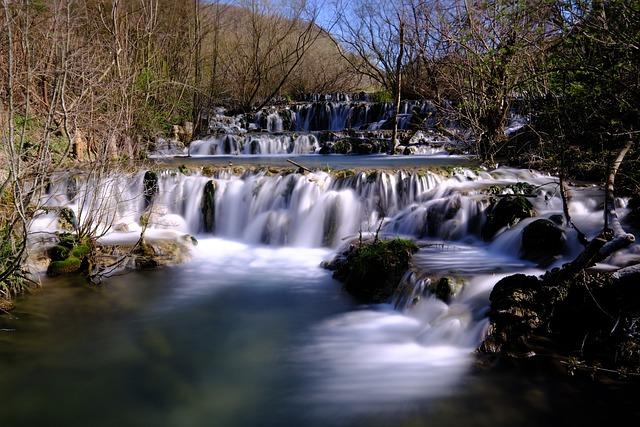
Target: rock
{"x": 208, "y": 206}
{"x": 6, "y": 305}
{"x": 66, "y": 266}
{"x": 513, "y": 315}
{"x": 184, "y": 133}
{"x": 506, "y": 212}
{"x": 188, "y": 131}
{"x": 342, "y": 146}
{"x": 445, "y": 288}
{"x": 325, "y": 149}
{"x": 542, "y": 240}
{"x": 557, "y": 219}
{"x": 72, "y": 188}
{"x": 58, "y": 252}
{"x": 121, "y": 227}
{"x": 372, "y": 271}
{"x": 67, "y": 219}
{"x": 365, "y": 148}
{"x": 633, "y": 217}
{"x": 150, "y": 187}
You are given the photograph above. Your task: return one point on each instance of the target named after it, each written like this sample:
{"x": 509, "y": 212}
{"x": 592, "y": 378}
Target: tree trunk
{"x": 197, "y": 47}
{"x": 397, "y": 91}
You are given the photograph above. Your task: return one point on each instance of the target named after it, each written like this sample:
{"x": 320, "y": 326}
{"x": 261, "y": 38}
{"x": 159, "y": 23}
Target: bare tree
{"x": 371, "y": 37}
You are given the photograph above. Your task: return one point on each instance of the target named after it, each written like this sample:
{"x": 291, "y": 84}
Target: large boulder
{"x": 371, "y": 271}
{"x": 208, "y": 206}
{"x": 542, "y": 240}
{"x": 506, "y": 212}
{"x": 514, "y": 314}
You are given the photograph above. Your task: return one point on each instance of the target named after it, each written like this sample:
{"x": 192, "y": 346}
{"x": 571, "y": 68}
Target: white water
{"x": 254, "y": 144}
{"x": 336, "y": 115}
{"x": 369, "y": 357}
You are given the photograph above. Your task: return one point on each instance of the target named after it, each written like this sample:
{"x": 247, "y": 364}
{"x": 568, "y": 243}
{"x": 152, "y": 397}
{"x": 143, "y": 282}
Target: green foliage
{"x": 68, "y": 255}
{"x": 594, "y": 98}
{"x": 381, "y": 96}
{"x": 342, "y": 146}
{"x": 68, "y": 265}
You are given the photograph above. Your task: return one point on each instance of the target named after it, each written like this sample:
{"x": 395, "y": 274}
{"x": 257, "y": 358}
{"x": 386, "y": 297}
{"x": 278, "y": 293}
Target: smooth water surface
{"x": 249, "y": 335}
{"x": 331, "y": 161}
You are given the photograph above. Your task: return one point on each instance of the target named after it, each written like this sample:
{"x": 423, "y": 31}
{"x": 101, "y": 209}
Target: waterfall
{"x": 315, "y": 209}
{"x": 328, "y": 114}
{"x": 254, "y": 144}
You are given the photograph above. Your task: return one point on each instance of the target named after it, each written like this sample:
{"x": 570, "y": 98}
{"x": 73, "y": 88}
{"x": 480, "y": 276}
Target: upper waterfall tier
{"x": 339, "y": 115}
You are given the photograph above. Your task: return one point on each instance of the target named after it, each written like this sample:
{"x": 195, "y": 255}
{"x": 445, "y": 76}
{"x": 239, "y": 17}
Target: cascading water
{"x": 254, "y": 144}
{"x": 318, "y": 209}
{"x": 362, "y": 360}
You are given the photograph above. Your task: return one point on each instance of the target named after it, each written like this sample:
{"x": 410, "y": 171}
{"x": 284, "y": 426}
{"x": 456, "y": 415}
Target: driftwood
{"x": 304, "y": 168}
{"x": 612, "y": 238}
{"x": 621, "y": 239}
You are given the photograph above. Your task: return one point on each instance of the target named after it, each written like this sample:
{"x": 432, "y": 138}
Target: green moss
{"x": 80, "y": 251}
{"x": 342, "y": 146}
{"x": 344, "y": 173}
{"x": 208, "y": 171}
{"x": 69, "y": 265}
{"x": 381, "y": 96}
{"x": 372, "y": 271}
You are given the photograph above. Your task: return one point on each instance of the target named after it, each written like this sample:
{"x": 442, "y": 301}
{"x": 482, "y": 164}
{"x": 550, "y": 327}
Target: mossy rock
{"x": 445, "y": 288}
{"x": 372, "y": 271}
{"x": 365, "y": 148}
{"x": 506, "y": 212}
{"x": 208, "y": 207}
{"x": 519, "y": 188}
{"x": 58, "y": 252}
{"x": 342, "y": 146}
{"x": 344, "y": 173}
{"x": 80, "y": 251}
{"x": 66, "y": 266}
{"x": 542, "y": 240}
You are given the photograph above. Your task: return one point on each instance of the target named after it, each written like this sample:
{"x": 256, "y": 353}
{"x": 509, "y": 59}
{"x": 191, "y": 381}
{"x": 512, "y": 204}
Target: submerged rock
{"x": 506, "y": 212}
{"x": 371, "y": 271}
{"x": 68, "y": 256}
{"x": 591, "y": 319}
{"x": 445, "y": 288}
{"x": 6, "y": 305}
{"x": 150, "y": 187}
{"x": 208, "y": 206}
{"x": 542, "y": 240}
